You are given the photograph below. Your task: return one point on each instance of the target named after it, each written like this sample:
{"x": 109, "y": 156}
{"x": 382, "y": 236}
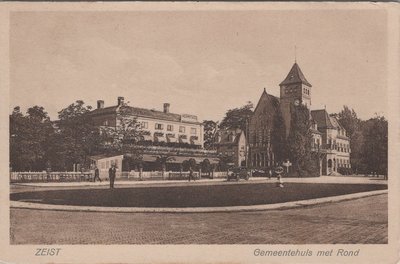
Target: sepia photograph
{"x": 210, "y": 126}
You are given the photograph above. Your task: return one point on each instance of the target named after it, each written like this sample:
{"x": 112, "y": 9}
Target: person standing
{"x": 191, "y": 174}
{"x": 111, "y": 175}
{"x": 270, "y": 173}
{"x": 96, "y": 174}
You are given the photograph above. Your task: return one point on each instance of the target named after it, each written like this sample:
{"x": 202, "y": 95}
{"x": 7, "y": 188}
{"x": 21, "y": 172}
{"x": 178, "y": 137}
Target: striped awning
{"x": 181, "y": 159}
{"x": 147, "y": 138}
{"x": 195, "y": 142}
{"x": 160, "y": 139}
{"x": 183, "y": 140}
{"x": 172, "y": 139}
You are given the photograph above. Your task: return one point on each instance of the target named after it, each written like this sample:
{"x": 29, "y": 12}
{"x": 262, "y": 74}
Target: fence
{"x": 88, "y": 176}
{"x": 50, "y": 177}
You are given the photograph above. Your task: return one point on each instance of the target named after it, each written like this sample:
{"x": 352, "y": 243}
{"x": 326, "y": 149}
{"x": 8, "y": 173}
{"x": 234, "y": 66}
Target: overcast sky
{"x": 202, "y": 63}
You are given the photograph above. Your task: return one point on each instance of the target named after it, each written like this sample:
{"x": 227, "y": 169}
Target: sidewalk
{"x": 322, "y": 179}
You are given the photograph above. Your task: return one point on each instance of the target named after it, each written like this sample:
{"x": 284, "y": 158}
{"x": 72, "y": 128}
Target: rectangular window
{"x": 182, "y": 129}
{"x": 159, "y": 126}
{"x": 145, "y": 125}
{"x": 193, "y": 130}
{"x": 170, "y": 127}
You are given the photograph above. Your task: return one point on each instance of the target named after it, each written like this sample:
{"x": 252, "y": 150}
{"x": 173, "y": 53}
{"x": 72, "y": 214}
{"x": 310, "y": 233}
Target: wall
{"x": 151, "y": 128}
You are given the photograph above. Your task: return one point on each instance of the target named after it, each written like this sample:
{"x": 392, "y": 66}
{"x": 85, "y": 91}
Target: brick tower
{"x": 295, "y": 89}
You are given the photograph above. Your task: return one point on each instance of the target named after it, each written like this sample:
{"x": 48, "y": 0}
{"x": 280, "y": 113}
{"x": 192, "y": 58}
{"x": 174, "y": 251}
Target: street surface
{"x": 363, "y": 221}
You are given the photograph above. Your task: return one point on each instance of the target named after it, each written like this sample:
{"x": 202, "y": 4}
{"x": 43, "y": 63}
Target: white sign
{"x": 287, "y": 164}
{"x": 188, "y": 118}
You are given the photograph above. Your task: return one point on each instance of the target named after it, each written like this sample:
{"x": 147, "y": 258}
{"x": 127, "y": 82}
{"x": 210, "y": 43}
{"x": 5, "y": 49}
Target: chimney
{"x": 100, "y": 104}
{"x": 120, "y": 100}
{"x": 166, "y": 107}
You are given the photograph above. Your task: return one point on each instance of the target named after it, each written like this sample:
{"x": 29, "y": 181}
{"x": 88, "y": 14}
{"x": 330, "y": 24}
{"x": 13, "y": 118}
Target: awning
{"x": 100, "y": 157}
{"x": 195, "y": 142}
{"x": 172, "y": 139}
{"x": 145, "y": 157}
{"x": 149, "y": 158}
{"x": 181, "y": 159}
{"x": 147, "y": 138}
{"x": 160, "y": 138}
{"x": 183, "y": 140}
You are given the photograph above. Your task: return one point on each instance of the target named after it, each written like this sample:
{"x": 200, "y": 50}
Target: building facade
{"x": 335, "y": 145}
{"x": 176, "y": 138}
{"x": 261, "y": 128}
{"x": 231, "y": 143}
{"x": 158, "y": 126}
{"x": 329, "y": 137}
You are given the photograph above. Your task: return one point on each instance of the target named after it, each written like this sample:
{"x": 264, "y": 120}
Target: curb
{"x": 263, "y": 207}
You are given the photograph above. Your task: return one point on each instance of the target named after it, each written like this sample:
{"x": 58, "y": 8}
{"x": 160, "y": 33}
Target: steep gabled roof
{"x": 322, "y": 119}
{"x": 295, "y": 76}
{"x": 335, "y": 122}
{"x": 226, "y": 134}
{"x": 273, "y": 99}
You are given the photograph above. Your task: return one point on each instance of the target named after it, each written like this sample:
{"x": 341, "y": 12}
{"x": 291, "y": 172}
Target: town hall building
{"x": 329, "y": 137}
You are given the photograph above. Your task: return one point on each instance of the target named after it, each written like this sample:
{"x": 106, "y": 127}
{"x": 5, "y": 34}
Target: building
{"x": 329, "y": 137}
{"x": 261, "y": 128}
{"x": 175, "y": 137}
{"x": 159, "y": 126}
{"x": 334, "y": 142}
{"x": 231, "y": 143}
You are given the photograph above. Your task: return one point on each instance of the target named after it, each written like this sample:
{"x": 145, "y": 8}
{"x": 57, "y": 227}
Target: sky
{"x": 201, "y": 62}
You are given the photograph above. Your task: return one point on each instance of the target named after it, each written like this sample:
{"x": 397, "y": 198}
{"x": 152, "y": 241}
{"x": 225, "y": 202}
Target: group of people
{"x": 111, "y": 174}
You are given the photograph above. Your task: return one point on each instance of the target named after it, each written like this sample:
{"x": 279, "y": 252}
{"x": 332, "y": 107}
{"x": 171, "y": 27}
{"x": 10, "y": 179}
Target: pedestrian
{"x": 96, "y": 174}
{"x": 191, "y": 174}
{"x": 270, "y": 173}
{"x": 111, "y": 175}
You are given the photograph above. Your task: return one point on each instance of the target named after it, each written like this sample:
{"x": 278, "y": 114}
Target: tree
{"x": 162, "y": 160}
{"x": 299, "y": 142}
{"x": 206, "y": 166}
{"x": 124, "y": 136}
{"x": 210, "y": 128}
{"x": 375, "y": 147}
{"x": 352, "y": 124}
{"x": 237, "y": 117}
{"x": 29, "y": 138}
{"x": 225, "y": 162}
{"x": 78, "y": 137}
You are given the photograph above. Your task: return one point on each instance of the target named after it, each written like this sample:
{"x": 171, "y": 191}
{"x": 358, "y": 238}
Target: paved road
{"x": 362, "y": 221}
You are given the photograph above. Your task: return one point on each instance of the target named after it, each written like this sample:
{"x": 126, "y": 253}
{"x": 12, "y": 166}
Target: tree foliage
{"x": 210, "y": 128}
{"x": 124, "y": 136}
{"x": 352, "y": 124}
{"x": 368, "y": 141}
{"x": 299, "y": 142}
{"x": 375, "y": 147}
{"x": 29, "y": 139}
{"x": 237, "y": 117}
{"x": 77, "y": 137}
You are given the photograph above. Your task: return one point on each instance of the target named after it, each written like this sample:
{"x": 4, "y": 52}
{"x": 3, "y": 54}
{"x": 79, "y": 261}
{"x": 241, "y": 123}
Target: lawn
{"x": 193, "y": 196}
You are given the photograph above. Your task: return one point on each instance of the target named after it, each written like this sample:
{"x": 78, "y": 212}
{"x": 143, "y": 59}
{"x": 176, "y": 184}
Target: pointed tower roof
{"x": 295, "y": 76}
